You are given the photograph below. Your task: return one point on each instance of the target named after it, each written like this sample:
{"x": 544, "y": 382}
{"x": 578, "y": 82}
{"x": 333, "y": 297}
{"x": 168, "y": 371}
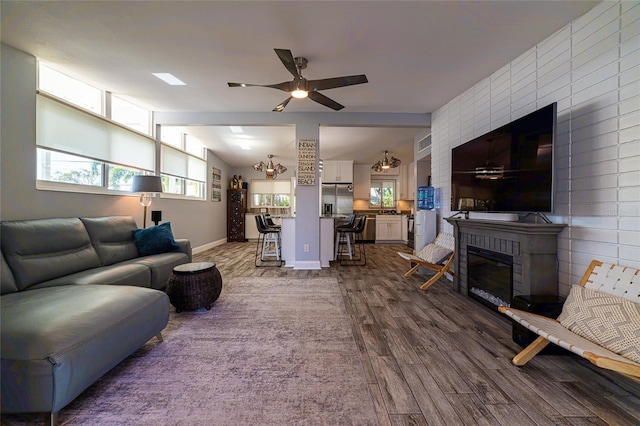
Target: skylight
{"x": 169, "y": 78}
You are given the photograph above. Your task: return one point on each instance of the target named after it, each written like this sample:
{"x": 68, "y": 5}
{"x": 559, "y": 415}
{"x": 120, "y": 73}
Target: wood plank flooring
{"x": 436, "y": 357}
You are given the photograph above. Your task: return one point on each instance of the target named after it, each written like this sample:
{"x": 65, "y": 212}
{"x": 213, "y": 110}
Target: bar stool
{"x": 357, "y": 254}
{"x": 341, "y": 237}
{"x": 268, "y": 243}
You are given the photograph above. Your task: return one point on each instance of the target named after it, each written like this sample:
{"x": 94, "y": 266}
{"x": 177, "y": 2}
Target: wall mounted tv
{"x": 509, "y": 169}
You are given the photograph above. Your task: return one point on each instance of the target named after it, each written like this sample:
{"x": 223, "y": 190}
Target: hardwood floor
{"x": 436, "y": 357}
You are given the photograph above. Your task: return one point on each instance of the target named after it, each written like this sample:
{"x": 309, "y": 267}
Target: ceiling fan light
{"x": 299, "y": 94}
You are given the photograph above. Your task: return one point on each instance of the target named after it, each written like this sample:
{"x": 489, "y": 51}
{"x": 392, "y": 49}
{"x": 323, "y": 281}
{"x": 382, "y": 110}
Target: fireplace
{"x": 490, "y": 277}
{"x": 528, "y": 251}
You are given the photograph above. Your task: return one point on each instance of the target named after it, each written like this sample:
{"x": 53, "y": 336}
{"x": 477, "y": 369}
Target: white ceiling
{"x": 417, "y": 55}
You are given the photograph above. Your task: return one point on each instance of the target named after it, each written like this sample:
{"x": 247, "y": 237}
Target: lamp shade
{"x": 144, "y": 183}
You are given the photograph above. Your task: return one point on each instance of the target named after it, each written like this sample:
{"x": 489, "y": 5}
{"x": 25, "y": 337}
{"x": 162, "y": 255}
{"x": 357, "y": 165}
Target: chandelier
{"x": 270, "y": 170}
{"x": 386, "y": 163}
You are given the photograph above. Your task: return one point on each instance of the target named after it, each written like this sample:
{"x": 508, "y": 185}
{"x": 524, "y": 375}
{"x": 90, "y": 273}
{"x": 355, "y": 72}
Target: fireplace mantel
{"x": 533, "y": 246}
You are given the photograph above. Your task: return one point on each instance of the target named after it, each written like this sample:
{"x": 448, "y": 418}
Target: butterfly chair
{"x": 437, "y": 256}
{"x": 599, "y": 321}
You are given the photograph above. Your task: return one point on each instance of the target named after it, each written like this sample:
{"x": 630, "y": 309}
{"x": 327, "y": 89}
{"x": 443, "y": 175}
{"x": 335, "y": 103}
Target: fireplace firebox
{"x": 490, "y": 277}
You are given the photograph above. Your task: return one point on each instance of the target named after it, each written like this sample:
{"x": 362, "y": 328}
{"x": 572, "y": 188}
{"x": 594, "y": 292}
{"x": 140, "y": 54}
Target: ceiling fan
{"x": 300, "y": 87}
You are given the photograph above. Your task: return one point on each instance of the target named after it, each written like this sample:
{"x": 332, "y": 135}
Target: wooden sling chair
{"x": 599, "y": 321}
{"x": 437, "y": 257}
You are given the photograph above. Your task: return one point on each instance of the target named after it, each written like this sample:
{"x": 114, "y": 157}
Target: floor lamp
{"x": 148, "y": 186}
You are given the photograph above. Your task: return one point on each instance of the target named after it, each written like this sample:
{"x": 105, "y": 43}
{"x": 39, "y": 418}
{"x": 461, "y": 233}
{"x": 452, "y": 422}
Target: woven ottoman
{"x": 194, "y": 285}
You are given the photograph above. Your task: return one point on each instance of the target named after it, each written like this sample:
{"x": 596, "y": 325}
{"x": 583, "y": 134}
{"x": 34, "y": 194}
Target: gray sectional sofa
{"x": 76, "y": 299}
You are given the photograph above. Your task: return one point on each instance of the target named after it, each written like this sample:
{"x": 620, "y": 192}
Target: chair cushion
{"x": 112, "y": 237}
{"x": 433, "y": 253}
{"x": 155, "y": 240}
{"x": 609, "y": 321}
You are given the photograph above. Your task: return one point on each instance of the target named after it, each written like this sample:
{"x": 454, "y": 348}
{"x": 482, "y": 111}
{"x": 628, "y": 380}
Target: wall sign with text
{"x": 307, "y": 149}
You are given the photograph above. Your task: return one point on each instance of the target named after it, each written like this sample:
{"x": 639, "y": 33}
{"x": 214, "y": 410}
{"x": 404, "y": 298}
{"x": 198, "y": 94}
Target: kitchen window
{"x": 382, "y": 194}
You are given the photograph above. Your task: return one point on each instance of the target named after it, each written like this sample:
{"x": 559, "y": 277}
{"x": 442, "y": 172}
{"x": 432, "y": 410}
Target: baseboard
{"x": 200, "y": 249}
{"x": 307, "y": 265}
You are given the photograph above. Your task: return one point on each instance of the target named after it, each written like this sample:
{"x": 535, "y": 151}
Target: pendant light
{"x": 270, "y": 169}
{"x": 386, "y": 163}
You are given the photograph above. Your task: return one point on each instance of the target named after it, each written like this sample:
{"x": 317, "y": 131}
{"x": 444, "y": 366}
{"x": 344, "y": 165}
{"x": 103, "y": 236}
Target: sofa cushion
{"x": 155, "y": 240}
{"x": 112, "y": 237}
{"x": 124, "y": 273}
{"x": 57, "y": 341}
{"x": 7, "y": 282}
{"x": 161, "y": 266}
{"x": 45, "y": 249}
{"x": 609, "y": 321}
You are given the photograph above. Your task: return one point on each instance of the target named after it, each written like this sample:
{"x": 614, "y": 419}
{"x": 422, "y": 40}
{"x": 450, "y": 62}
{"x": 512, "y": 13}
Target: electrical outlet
{"x": 306, "y": 248}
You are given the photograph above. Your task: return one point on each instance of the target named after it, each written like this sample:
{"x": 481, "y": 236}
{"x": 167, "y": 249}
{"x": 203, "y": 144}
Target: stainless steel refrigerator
{"x": 337, "y": 199}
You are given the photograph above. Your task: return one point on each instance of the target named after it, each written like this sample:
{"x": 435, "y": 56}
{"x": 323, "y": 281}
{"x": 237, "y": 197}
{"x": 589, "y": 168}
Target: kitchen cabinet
{"x": 361, "y": 181}
{"x": 388, "y": 228}
{"x": 250, "y": 227}
{"x": 411, "y": 182}
{"x": 407, "y": 182}
{"x": 405, "y": 228}
{"x": 337, "y": 171}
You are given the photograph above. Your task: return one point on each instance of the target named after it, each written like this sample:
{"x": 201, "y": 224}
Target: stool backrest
{"x": 360, "y": 225}
{"x": 262, "y": 228}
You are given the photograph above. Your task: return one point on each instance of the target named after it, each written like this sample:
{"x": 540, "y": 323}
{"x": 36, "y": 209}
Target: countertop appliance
{"x": 339, "y": 196}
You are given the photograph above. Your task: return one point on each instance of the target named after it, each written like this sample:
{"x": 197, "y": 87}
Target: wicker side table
{"x": 194, "y": 285}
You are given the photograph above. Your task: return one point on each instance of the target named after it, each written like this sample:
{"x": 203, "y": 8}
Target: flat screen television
{"x": 509, "y": 169}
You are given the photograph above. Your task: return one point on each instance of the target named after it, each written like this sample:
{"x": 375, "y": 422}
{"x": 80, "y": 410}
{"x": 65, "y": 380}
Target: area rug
{"x": 271, "y": 351}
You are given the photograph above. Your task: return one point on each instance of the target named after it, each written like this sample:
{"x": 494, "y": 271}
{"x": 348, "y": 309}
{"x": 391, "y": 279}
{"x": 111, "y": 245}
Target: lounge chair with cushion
{"x": 437, "y": 256}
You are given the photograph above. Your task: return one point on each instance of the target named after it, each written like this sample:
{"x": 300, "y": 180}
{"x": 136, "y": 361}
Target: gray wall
{"x": 203, "y": 222}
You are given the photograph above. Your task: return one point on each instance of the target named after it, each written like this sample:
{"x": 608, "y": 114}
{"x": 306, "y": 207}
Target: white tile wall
{"x": 591, "y": 68}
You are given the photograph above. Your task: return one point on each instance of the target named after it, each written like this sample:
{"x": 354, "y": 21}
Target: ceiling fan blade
{"x": 286, "y": 86}
{"x": 286, "y": 57}
{"x": 332, "y": 83}
{"x": 322, "y": 99}
{"x": 281, "y": 105}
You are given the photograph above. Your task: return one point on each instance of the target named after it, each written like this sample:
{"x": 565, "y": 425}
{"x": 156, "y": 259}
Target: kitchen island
{"x": 289, "y": 241}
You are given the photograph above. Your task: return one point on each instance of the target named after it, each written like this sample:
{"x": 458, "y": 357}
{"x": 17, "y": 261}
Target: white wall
{"x": 203, "y": 222}
{"x": 592, "y": 69}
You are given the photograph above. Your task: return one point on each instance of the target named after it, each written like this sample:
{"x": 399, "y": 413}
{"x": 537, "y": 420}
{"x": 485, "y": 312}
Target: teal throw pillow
{"x": 154, "y": 240}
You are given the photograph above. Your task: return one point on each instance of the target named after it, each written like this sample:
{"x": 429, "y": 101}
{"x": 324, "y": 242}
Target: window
{"x": 60, "y": 167}
{"x": 74, "y": 115}
{"x": 183, "y": 173}
{"x": 270, "y": 193}
{"x": 70, "y": 89}
{"x": 382, "y": 194}
{"x": 74, "y": 169}
{"x": 130, "y": 115}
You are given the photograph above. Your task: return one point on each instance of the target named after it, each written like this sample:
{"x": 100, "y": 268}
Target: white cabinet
{"x": 337, "y": 171}
{"x": 361, "y": 181}
{"x": 388, "y": 228}
{"x": 405, "y": 229}
{"x": 411, "y": 182}
{"x": 407, "y": 182}
{"x": 250, "y": 227}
